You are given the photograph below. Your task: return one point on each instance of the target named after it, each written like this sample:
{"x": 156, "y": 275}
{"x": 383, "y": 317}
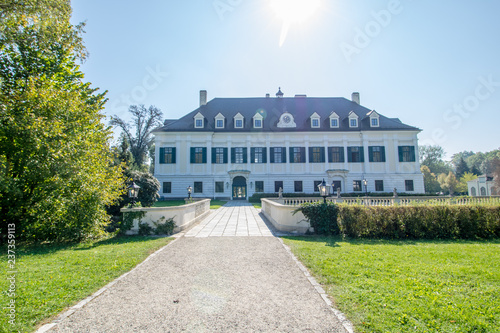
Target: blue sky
{"x": 433, "y": 64}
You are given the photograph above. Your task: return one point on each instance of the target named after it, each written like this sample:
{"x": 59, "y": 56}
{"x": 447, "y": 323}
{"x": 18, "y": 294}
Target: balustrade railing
{"x": 390, "y": 201}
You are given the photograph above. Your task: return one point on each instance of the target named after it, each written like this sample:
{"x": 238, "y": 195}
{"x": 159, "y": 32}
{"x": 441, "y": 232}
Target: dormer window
{"x": 199, "y": 121}
{"x": 257, "y": 120}
{"x": 238, "y": 121}
{"x": 334, "y": 120}
{"x": 374, "y": 118}
{"x": 353, "y": 119}
{"x": 315, "y": 118}
{"x": 219, "y": 121}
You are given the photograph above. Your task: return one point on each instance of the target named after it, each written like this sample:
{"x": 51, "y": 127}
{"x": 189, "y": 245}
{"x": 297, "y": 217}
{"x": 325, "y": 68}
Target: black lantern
{"x": 324, "y": 190}
{"x": 365, "y": 182}
{"x": 189, "y": 189}
{"x": 133, "y": 193}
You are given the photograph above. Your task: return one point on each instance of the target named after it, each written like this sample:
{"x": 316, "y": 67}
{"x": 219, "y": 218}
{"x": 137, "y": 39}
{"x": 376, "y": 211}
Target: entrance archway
{"x": 239, "y": 188}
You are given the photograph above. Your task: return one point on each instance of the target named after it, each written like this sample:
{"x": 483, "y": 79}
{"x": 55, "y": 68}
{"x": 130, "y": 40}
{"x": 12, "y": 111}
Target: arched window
{"x": 473, "y": 191}
{"x": 483, "y": 191}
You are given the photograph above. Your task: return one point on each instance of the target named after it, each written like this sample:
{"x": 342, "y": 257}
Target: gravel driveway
{"x": 213, "y": 284}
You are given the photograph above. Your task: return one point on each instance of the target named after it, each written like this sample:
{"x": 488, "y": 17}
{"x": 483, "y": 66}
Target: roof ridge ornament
{"x": 279, "y": 94}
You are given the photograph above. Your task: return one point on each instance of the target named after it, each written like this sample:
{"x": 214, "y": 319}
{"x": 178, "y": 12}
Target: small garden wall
{"x": 184, "y": 216}
{"x": 282, "y": 217}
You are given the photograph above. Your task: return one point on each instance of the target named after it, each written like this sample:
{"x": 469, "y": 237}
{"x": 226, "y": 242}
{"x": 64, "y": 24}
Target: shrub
{"x": 145, "y": 229}
{"x": 164, "y": 228}
{"x": 420, "y": 222}
{"x": 322, "y": 217}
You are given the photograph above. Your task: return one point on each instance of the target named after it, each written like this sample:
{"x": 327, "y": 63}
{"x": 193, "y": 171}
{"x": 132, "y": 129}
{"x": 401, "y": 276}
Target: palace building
{"x": 235, "y": 147}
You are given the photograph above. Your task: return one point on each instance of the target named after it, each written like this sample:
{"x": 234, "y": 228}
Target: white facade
{"x": 213, "y": 149}
{"x": 183, "y": 173}
{"x": 481, "y": 186}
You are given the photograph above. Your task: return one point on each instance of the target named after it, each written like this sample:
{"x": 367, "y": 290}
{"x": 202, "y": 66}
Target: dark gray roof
{"x": 272, "y": 108}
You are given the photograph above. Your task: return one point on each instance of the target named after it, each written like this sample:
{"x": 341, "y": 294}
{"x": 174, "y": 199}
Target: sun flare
{"x": 293, "y": 11}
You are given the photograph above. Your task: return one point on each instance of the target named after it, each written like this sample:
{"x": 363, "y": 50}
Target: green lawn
{"x": 214, "y": 204}
{"x": 257, "y": 205}
{"x": 51, "y": 278}
{"x": 406, "y": 286}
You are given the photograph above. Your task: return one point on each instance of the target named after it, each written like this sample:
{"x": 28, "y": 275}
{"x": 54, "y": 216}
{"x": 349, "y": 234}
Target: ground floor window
{"x": 298, "y": 186}
{"x": 316, "y": 184}
{"x": 278, "y": 185}
{"x": 167, "y": 187}
{"x": 198, "y": 187}
{"x": 219, "y": 187}
{"x": 379, "y": 185}
{"x": 408, "y": 185}
{"x": 356, "y": 186}
{"x": 259, "y": 186}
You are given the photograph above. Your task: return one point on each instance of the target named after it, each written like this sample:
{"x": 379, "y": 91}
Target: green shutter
{"x": 264, "y": 155}
{"x": 361, "y": 154}
{"x": 400, "y": 153}
{"x": 225, "y": 155}
{"x": 322, "y": 154}
{"x": 292, "y": 158}
{"x": 162, "y": 155}
{"x": 370, "y": 153}
{"x": 245, "y": 155}
{"x": 310, "y": 154}
{"x": 252, "y": 155}
{"x": 233, "y": 155}
{"x": 204, "y": 155}
{"x": 342, "y": 155}
{"x": 213, "y": 155}
{"x": 412, "y": 154}
{"x": 349, "y": 155}
{"x": 382, "y": 153}
{"x": 283, "y": 155}
{"x": 174, "y": 154}
{"x": 192, "y": 155}
{"x": 272, "y": 155}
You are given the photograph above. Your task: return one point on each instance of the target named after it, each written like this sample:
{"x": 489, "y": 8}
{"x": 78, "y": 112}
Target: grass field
{"x": 407, "y": 286}
{"x": 51, "y": 278}
{"x": 214, "y": 204}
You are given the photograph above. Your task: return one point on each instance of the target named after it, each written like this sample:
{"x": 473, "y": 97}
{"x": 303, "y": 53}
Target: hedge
{"x": 257, "y": 196}
{"x": 408, "y": 222}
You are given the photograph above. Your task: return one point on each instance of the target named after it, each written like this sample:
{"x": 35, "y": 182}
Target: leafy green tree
{"x": 461, "y": 168}
{"x": 462, "y": 183}
{"x": 431, "y": 184}
{"x": 496, "y": 176}
{"x": 148, "y": 193}
{"x": 144, "y": 121}
{"x": 56, "y": 173}
{"x": 448, "y": 182}
{"x": 432, "y": 157}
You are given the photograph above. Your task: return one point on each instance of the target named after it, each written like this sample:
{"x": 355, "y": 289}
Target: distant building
{"x": 481, "y": 186}
{"x": 235, "y": 147}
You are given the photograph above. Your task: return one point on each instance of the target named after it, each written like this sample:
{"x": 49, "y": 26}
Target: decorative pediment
{"x": 238, "y": 120}
{"x": 258, "y": 120}
{"x": 286, "y": 121}
{"x": 353, "y": 119}
{"x": 374, "y": 118}
{"x": 315, "y": 120}
{"x": 219, "y": 120}
{"x": 334, "y": 120}
{"x": 199, "y": 120}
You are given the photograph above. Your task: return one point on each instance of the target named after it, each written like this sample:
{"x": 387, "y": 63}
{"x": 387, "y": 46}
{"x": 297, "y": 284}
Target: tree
{"x": 496, "y": 176}
{"x": 56, "y": 173}
{"x": 462, "y": 186}
{"x": 432, "y": 156}
{"x": 431, "y": 184}
{"x": 148, "y": 193}
{"x": 461, "y": 168}
{"x": 144, "y": 121}
{"x": 448, "y": 182}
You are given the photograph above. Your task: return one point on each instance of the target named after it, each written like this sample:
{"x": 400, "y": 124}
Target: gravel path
{"x": 214, "y": 284}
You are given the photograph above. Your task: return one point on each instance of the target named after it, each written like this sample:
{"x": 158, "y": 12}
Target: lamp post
{"x": 189, "y": 189}
{"x": 365, "y": 182}
{"x": 133, "y": 192}
{"x": 324, "y": 190}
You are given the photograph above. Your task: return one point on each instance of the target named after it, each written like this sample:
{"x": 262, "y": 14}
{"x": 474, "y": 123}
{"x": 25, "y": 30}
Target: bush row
{"x": 403, "y": 222}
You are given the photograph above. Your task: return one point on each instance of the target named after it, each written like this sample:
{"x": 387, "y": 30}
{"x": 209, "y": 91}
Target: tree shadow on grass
{"x": 51, "y": 248}
{"x": 333, "y": 241}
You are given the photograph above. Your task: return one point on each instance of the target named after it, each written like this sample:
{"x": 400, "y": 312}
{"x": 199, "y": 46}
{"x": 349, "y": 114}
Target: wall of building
{"x": 183, "y": 173}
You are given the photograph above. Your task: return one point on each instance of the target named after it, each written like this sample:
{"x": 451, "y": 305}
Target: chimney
{"x": 267, "y": 95}
{"x": 355, "y": 97}
{"x": 203, "y": 97}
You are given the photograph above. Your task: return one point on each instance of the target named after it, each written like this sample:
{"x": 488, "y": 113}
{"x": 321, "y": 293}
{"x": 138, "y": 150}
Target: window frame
{"x": 277, "y": 187}
{"x": 317, "y": 156}
{"x": 198, "y": 187}
{"x": 355, "y": 149}
{"x": 379, "y": 185}
{"x": 336, "y": 151}
{"x": 259, "y": 186}
{"x": 298, "y": 186}
{"x": 357, "y": 186}
{"x": 167, "y": 187}
{"x": 380, "y": 150}
{"x": 409, "y": 185}
{"x": 217, "y": 187}
{"x": 406, "y": 154}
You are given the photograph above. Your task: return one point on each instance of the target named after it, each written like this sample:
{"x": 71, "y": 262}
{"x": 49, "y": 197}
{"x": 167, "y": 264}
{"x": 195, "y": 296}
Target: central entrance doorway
{"x": 239, "y": 188}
